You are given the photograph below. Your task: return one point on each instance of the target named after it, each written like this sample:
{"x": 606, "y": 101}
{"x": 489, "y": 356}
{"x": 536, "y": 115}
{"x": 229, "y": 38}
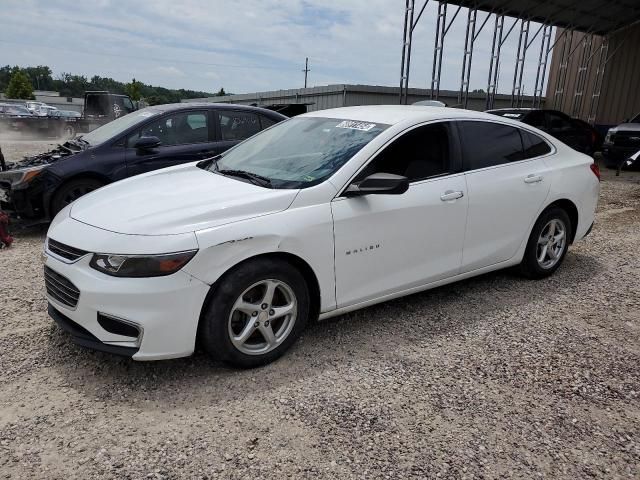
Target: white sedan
{"x": 325, "y": 213}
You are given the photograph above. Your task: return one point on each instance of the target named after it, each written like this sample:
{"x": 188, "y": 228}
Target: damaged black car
{"x": 38, "y": 187}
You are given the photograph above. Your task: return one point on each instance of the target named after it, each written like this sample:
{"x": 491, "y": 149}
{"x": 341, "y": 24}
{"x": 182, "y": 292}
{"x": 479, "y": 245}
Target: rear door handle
{"x": 533, "y": 178}
{"x": 451, "y": 195}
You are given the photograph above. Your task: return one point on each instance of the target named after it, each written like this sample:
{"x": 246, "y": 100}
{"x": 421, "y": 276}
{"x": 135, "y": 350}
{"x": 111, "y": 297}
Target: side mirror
{"x": 147, "y": 143}
{"x": 379, "y": 184}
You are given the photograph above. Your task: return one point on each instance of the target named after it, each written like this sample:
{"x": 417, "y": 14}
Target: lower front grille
{"x": 60, "y": 288}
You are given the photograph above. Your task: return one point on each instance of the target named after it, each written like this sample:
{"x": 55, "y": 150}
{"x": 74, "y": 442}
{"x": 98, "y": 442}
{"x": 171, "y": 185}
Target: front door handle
{"x": 533, "y": 178}
{"x": 451, "y": 195}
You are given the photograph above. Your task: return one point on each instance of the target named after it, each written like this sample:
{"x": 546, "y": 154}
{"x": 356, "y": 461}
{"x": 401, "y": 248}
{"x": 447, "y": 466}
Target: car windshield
{"x": 119, "y": 125}
{"x": 300, "y": 152}
{"x": 635, "y": 119}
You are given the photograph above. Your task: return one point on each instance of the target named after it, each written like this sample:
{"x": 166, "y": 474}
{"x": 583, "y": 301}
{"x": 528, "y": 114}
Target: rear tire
{"x": 71, "y": 191}
{"x": 255, "y": 314}
{"x": 547, "y": 244}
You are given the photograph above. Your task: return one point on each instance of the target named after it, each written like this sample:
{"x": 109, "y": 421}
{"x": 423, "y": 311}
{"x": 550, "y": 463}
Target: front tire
{"x": 255, "y": 314}
{"x": 547, "y": 245}
{"x": 71, "y": 191}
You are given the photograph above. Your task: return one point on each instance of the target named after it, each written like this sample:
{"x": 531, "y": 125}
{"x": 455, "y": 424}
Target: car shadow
{"x": 413, "y": 322}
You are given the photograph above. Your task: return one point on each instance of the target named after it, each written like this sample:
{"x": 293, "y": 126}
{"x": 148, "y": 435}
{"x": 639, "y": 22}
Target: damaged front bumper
{"x": 23, "y": 201}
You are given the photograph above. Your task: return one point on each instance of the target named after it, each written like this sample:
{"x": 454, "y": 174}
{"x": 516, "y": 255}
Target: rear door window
{"x": 237, "y": 125}
{"x": 536, "y": 119}
{"x": 487, "y": 144}
{"x": 557, "y": 122}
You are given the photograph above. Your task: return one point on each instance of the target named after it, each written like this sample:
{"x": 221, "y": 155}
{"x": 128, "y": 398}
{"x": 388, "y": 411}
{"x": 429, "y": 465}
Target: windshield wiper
{"x": 254, "y": 177}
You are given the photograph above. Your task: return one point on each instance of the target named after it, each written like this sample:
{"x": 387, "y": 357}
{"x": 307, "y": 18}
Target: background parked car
{"x": 621, "y": 142}
{"x": 145, "y": 140}
{"x": 14, "y": 110}
{"x": 577, "y": 134}
{"x": 65, "y": 114}
{"x": 40, "y": 109}
{"x": 34, "y": 106}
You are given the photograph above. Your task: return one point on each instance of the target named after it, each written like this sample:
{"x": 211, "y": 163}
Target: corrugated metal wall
{"x": 620, "y": 94}
{"x": 333, "y": 96}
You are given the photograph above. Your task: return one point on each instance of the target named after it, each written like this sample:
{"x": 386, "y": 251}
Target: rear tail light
{"x": 596, "y": 170}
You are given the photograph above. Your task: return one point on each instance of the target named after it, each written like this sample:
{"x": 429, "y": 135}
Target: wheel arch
{"x": 299, "y": 263}
{"x": 79, "y": 176}
{"x": 571, "y": 209}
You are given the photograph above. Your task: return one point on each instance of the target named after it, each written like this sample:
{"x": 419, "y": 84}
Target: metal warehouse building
{"x": 344, "y": 95}
{"x": 610, "y": 89}
{"x": 592, "y": 60}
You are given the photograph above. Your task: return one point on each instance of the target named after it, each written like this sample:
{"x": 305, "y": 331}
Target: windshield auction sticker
{"x": 352, "y": 124}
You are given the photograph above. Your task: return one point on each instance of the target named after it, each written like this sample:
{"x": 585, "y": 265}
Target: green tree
{"x": 19, "y": 86}
{"x": 40, "y": 77}
{"x": 133, "y": 89}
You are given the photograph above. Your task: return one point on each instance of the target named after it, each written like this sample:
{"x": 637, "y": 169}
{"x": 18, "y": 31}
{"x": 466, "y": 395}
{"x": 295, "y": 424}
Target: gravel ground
{"x": 494, "y": 377}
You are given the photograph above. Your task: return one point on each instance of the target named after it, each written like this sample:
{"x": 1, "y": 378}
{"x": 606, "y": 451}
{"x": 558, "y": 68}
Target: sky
{"x": 248, "y": 46}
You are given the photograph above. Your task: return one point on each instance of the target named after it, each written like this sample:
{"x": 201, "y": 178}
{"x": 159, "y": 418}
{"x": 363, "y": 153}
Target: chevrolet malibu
{"x": 316, "y": 216}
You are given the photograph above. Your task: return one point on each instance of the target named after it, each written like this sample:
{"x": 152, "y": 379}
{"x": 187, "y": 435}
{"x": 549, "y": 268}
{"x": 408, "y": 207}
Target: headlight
{"x": 24, "y": 175}
{"x": 140, "y": 265}
{"x": 607, "y": 139}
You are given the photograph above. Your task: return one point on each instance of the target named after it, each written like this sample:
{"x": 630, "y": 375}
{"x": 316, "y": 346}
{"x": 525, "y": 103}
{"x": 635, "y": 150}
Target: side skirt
{"x": 350, "y": 308}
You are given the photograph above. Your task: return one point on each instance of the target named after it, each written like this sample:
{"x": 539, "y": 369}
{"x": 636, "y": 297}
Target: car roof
{"x": 392, "y": 114}
{"x": 170, "y": 107}
{"x": 516, "y": 109}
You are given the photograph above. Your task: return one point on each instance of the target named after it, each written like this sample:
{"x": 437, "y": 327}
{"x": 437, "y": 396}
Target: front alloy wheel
{"x": 262, "y": 317}
{"x": 255, "y": 313}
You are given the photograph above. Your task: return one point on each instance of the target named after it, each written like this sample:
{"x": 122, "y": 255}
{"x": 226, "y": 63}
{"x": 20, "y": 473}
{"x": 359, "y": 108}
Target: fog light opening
{"x": 119, "y": 326}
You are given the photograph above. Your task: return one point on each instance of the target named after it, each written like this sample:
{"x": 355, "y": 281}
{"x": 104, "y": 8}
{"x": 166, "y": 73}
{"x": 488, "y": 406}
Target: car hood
{"x": 626, "y": 127}
{"x": 177, "y": 200}
{"x": 68, "y": 149}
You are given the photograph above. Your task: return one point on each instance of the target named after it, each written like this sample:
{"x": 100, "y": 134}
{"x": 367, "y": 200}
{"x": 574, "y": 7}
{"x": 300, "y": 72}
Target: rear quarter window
{"x": 534, "y": 146}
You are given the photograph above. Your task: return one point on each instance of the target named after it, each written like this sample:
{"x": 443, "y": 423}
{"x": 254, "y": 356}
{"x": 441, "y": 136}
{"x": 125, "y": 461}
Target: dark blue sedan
{"x": 148, "y": 139}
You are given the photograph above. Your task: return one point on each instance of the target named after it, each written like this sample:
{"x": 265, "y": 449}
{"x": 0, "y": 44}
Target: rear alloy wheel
{"x": 256, "y": 313}
{"x": 551, "y": 244}
{"x": 72, "y": 191}
{"x": 547, "y": 245}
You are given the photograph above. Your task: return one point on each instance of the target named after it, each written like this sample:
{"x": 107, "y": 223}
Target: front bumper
{"x": 613, "y": 155}
{"x": 85, "y": 338}
{"x": 165, "y": 310}
{"x": 25, "y": 202}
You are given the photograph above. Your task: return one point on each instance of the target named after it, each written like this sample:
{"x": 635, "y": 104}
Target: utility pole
{"x": 306, "y": 70}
